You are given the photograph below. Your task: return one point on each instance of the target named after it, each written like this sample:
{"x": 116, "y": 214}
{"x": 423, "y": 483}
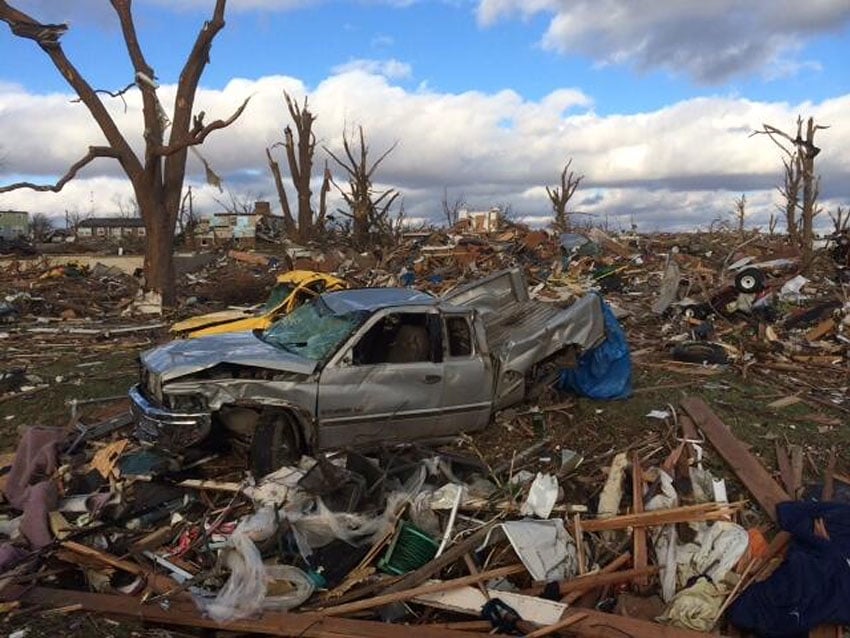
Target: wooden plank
{"x": 752, "y": 473}
{"x": 597, "y": 624}
{"x": 822, "y": 329}
{"x": 689, "y": 430}
{"x": 159, "y": 583}
{"x": 558, "y": 626}
{"x": 684, "y": 514}
{"x": 395, "y": 597}
{"x": 639, "y": 548}
{"x": 184, "y": 613}
{"x": 591, "y": 581}
{"x": 613, "y": 566}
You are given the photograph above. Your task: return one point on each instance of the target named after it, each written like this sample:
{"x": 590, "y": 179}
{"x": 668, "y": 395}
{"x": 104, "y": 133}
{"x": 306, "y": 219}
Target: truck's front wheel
{"x": 276, "y": 443}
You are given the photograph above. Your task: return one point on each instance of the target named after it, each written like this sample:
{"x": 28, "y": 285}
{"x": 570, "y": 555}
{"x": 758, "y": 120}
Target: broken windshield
{"x": 313, "y": 330}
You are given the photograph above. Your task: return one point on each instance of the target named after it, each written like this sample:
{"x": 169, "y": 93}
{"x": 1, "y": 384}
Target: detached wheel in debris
{"x": 699, "y": 352}
{"x": 276, "y": 443}
{"x": 749, "y": 280}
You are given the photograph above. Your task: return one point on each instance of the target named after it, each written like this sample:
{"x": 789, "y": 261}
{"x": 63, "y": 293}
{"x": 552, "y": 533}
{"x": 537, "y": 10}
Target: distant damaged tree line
{"x": 370, "y": 217}
{"x": 157, "y": 173}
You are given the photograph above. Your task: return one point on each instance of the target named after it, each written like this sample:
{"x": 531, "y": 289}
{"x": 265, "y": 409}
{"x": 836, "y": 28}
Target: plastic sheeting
{"x": 604, "y": 372}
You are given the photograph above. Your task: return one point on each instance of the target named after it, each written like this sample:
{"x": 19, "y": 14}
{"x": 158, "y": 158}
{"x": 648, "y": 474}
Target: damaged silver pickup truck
{"x": 362, "y": 367}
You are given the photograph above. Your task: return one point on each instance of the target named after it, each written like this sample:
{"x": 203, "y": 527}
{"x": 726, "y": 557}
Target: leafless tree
{"x": 299, "y": 156}
{"x": 238, "y": 203}
{"x": 40, "y": 226}
{"x": 157, "y": 176}
{"x": 560, "y": 197}
{"x": 790, "y": 191}
{"x": 187, "y": 220}
{"x": 370, "y": 211}
{"x": 771, "y": 224}
{"x": 840, "y": 220}
{"x": 740, "y": 213}
{"x": 127, "y": 206}
{"x": 451, "y": 210}
{"x": 799, "y": 160}
{"x": 73, "y": 218}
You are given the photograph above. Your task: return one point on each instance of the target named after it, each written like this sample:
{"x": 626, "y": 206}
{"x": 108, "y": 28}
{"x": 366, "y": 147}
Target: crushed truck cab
{"x": 359, "y": 368}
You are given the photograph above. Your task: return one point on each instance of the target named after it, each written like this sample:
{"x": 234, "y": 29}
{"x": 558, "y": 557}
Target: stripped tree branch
{"x": 199, "y": 134}
{"x": 94, "y": 153}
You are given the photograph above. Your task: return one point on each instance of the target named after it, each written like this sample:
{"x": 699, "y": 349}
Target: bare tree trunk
{"x": 288, "y": 222}
{"x": 301, "y": 162}
{"x": 811, "y": 184}
{"x": 561, "y": 196}
{"x": 367, "y": 209}
{"x": 799, "y": 167}
{"x": 159, "y": 261}
{"x": 157, "y": 176}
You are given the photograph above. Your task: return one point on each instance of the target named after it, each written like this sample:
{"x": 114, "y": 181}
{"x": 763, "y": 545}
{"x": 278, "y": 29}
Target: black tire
{"x": 749, "y": 280}
{"x": 700, "y": 352}
{"x": 276, "y": 443}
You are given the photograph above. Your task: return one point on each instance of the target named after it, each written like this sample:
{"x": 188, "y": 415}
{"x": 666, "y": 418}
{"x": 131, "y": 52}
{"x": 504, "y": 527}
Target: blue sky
{"x": 653, "y": 100}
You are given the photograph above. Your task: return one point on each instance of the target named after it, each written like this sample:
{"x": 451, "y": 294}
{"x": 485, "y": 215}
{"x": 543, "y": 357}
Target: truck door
{"x": 468, "y": 378}
{"x": 387, "y": 386}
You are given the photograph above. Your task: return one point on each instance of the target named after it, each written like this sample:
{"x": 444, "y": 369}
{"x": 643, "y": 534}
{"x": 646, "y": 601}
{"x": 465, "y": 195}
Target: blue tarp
{"x": 812, "y": 585}
{"x": 605, "y": 372}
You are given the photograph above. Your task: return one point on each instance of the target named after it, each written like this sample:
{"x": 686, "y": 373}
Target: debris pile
{"x": 425, "y": 538}
{"x": 538, "y": 525}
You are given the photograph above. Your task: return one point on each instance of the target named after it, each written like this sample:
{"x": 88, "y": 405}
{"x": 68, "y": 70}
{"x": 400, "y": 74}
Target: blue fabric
{"x": 812, "y": 585}
{"x": 605, "y": 372}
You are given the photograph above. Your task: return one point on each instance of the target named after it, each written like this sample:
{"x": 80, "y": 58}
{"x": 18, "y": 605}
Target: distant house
{"x": 237, "y": 228}
{"x": 110, "y": 228}
{"x": 14, "y": 224}
{"x": 479, "y": 221}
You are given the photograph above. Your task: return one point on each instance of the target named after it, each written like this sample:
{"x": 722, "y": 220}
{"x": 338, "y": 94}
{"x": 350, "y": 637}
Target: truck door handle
{"x": 432, "y": 378}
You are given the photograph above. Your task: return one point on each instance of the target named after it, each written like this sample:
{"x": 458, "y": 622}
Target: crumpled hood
{"x": 186, "y": 356}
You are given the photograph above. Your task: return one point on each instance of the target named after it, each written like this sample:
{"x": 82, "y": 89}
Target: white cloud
{"x": 392, "y": 69}
{"x": 709, "y": 41}
{"x": 679, "y": 166}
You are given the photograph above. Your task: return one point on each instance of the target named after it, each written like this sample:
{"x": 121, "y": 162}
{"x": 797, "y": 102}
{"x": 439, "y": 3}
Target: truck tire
{"x": 276, "y": 443}
{"x": 749, "y": 280}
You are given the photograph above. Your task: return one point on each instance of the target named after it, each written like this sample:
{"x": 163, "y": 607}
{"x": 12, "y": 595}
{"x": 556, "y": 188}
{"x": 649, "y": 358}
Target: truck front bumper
{"x": 165, "y": 428}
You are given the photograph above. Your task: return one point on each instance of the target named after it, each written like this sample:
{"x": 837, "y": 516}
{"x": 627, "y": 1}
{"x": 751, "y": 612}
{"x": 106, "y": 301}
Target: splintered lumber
{"x": 558, "y": 626}
{"x": 753, "y": 475}
{"x": 159, "y": 583}
{"x": 639, "y": 534}
{"x": 429, "y": 588}
{"x": 823, "y": 328}
{"x": 597, "y": 624}
{"x": 591, "y": 581}
{"x": 185, "y": 613}
{"x": 684, "y": 514}
{"x": 613, "y": 566}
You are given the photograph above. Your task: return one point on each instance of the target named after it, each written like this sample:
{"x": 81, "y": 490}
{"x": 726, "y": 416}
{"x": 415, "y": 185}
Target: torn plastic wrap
{"x": 244, "y": 592}
{"x": 604, "y": 372}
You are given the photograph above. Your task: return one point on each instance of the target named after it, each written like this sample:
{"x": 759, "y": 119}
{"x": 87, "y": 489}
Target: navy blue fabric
{"x": 812, "y": 585}
{"x": 605, "y": 372}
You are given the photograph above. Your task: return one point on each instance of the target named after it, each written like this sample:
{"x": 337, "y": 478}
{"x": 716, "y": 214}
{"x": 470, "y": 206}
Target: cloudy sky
{"x": 653, "y": 101}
